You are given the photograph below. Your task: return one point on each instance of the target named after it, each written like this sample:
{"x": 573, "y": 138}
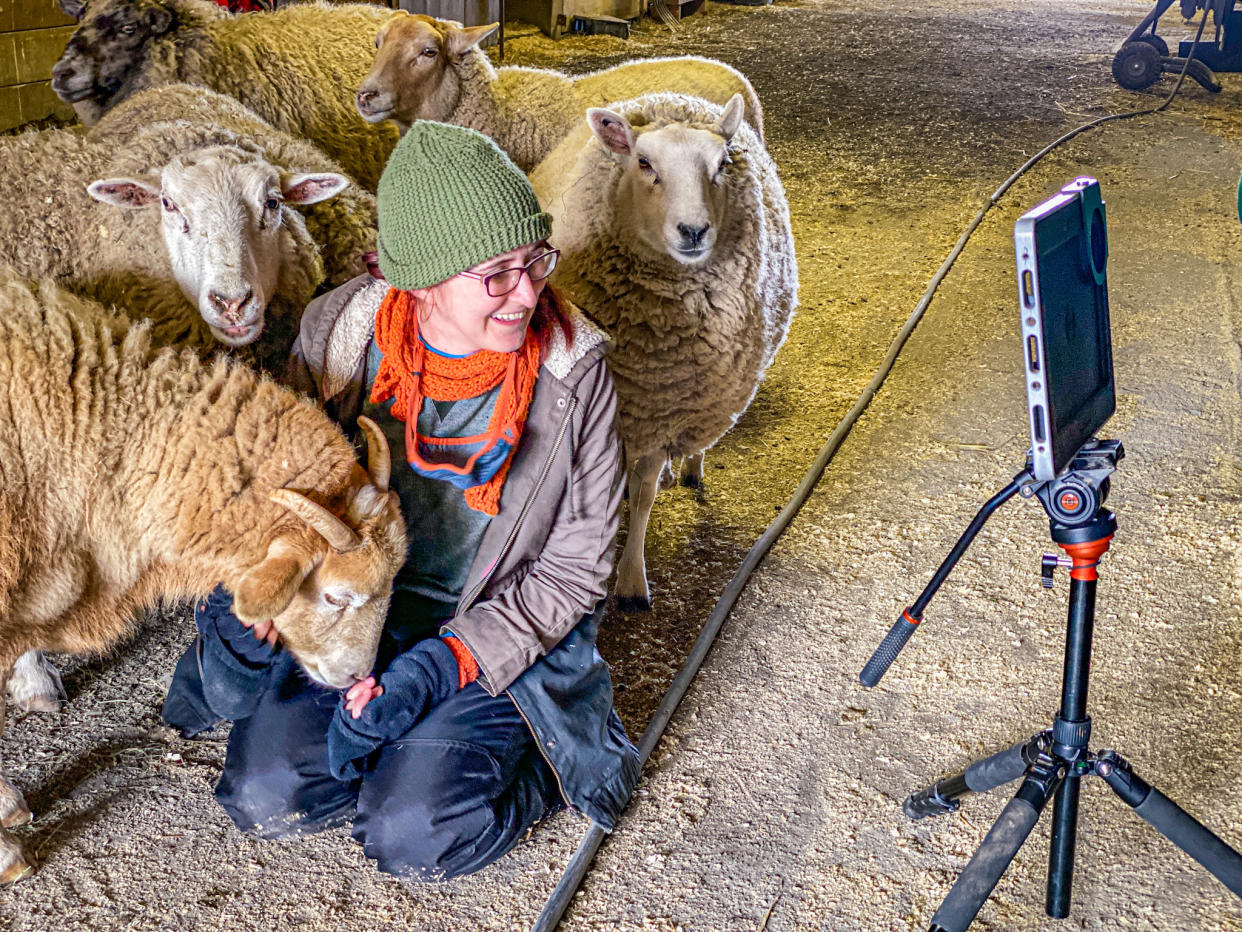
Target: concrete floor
{"x": 774, "y": 800}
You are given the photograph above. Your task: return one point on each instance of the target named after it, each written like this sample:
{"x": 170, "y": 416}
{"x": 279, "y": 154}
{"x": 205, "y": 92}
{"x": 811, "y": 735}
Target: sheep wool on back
{"x": 138, "y": 473}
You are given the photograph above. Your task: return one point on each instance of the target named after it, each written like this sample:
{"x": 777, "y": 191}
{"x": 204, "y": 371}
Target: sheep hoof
{"x": 691, "y": 481}
{"x": 629, "y": 604}
{"x": 13, "y": 864}
{"x": 35, "y": 685}
{"x": 41, "y": 703}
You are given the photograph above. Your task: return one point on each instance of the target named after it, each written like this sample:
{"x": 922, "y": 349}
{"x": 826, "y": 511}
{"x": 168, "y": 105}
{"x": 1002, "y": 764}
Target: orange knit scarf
{"x": 408, "y": 373}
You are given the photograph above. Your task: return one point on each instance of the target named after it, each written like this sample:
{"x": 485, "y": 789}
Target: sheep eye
{"x": 430, "y": 52}
{"x": 128, "y": 29}
{"x": 377, "y": 41}
{"x": 644, "y": 164}
{"x": 272, "y": 203}
{"x": 169, "y": 205}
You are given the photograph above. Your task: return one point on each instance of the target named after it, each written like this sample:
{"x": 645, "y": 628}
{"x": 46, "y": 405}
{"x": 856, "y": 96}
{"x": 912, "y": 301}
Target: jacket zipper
{"x": 560, "y": 787}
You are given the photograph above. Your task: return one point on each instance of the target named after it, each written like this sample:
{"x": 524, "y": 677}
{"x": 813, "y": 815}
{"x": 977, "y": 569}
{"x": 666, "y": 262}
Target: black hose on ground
{"x": 580, "y": 863}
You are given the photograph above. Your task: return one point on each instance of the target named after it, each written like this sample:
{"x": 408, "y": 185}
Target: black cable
{"x": 580, "y": 863}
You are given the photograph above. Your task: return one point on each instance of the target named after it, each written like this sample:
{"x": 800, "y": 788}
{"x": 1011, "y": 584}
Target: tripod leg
{"x": 1172, "y": 821}
{"x": 980, "y": 777}
{"x": 1061, "y": 854}
{"x": 994, "y": 855}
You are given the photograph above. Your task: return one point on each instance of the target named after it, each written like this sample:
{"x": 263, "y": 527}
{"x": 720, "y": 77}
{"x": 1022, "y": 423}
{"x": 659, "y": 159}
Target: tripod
{"x": 1052, "y": 763}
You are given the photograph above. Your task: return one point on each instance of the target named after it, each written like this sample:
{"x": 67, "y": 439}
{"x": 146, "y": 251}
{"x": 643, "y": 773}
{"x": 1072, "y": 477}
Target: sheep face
{"x": 671, "y": 194}
{"x": 326, "y": 585}
{"x": 224, "y": 218}
{"x": 413, "y": 78}
{"x": 109, "y": 45}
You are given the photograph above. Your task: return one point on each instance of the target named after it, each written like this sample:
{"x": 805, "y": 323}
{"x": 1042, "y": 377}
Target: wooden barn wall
{"x": 33, "y": 34}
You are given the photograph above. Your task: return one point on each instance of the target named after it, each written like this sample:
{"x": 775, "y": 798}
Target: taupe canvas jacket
{"x": 545, "y": 558}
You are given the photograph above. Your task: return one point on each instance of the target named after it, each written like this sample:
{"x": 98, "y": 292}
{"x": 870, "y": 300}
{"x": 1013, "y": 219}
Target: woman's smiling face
{"x": 460, "y": 317}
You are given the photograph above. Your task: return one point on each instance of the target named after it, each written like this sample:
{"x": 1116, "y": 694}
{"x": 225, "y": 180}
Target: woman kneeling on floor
{"x": 490, "y": 705}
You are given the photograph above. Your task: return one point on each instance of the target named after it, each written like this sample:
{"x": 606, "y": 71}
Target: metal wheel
{"x": 1136, "y": 66}
{"x": 1155, "y": 42}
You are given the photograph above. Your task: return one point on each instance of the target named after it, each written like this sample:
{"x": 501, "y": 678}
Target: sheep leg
{"x": 644, "y": 477}
{"x": 692, "y": 471}
{"x": 34, "y": 685}
{"x": 13, "y": 811}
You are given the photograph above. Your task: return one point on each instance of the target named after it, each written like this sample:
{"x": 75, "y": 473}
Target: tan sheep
{"x": 430, "y": 69}
{"x": 128, "y": 477}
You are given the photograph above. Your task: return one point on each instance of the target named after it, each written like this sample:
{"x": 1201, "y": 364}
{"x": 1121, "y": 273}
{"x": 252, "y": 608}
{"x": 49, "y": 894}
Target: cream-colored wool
{"x": 51, "y": 227}
{"x": 689, "y": 342}
{"x": 128, "y": 477}
{"x": 342, "y": 226}
{"x": 297, "y": 68}
{"x": 526, "y": 110}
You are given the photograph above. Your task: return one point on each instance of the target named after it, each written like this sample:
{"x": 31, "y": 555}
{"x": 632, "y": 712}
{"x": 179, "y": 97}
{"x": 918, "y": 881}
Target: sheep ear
{"x": 311, "y": 189}
{"x": 460, "y": 41}
{"x": 74, "y": 8}
{"x": 133, "y": 193}
{"x": 726, "y": 127}
{"x": 160, "y": 20}
{"x": 267, "y": 589}
{"x": 612, "y": 130}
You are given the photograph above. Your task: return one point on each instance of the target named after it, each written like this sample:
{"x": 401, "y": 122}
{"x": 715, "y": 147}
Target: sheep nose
{"x": 365, "y": 98}
{"x": 229, "y": 308}
{"x": 692, "y": 236}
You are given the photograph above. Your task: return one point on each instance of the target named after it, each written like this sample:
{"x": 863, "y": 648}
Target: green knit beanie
{"x": 449, "y": 199}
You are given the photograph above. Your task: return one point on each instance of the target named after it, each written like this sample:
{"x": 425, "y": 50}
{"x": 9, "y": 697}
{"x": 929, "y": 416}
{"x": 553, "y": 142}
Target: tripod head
{"x": 1074, "y": 500}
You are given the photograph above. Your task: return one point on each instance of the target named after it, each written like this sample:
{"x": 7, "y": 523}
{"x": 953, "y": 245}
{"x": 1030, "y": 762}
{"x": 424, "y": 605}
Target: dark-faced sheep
{"x": 430, "y": 69}
{"x": 128, "y": 477}
{"x": 297, "y": 67}
{"x": 674, "y": 236}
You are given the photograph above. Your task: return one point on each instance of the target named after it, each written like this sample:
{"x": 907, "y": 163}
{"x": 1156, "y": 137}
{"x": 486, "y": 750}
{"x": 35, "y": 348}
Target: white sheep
{"x": 129, "y": 477}
{"x": 432, "y": 69}
{"x": 344, "y": 226}
{"x": 204, "y": 242}
{"x": 674, "y": 234}
{"x": 297, "y": 67}
{"x": 207, "y": 259}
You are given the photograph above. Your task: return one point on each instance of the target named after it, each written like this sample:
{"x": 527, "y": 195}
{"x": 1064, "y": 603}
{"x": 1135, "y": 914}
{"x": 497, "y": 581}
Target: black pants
{"x": 452, "y": 795}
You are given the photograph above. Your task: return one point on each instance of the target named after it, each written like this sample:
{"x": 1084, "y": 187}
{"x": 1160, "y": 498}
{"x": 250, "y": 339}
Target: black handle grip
{"x": 888, "y": 650}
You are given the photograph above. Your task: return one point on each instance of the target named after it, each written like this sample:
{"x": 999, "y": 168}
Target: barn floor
{"x": 774, "y": 800}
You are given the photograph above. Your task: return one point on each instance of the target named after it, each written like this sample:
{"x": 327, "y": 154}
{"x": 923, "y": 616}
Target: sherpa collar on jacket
{"x": 346, "y": 342}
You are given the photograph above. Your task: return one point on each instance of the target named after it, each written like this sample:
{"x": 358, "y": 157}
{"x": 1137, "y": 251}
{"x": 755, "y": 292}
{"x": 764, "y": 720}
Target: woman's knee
{"x": 438, "y": 810}
{"x": 273, "y": 804}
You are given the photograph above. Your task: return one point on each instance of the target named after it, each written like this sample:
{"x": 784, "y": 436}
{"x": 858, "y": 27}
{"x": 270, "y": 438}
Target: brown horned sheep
{"x": 128, "y": 477}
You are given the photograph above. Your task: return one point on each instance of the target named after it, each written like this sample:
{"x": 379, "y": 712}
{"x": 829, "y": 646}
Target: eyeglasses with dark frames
{"x": 500, "y": 283}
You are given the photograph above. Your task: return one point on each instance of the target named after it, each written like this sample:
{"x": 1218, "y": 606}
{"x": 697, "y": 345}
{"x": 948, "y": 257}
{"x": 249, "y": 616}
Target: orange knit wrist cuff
{"x": 467, "y": 666}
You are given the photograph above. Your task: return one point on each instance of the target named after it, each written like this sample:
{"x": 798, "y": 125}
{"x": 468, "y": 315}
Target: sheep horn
{"x": 379, "y": 457}
{"x": 335, "y": 531}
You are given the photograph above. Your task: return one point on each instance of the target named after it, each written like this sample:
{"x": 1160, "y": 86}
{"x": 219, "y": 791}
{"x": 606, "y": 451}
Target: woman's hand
{"x": 262, "y": 631}
{"x": 362, "y": 692}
